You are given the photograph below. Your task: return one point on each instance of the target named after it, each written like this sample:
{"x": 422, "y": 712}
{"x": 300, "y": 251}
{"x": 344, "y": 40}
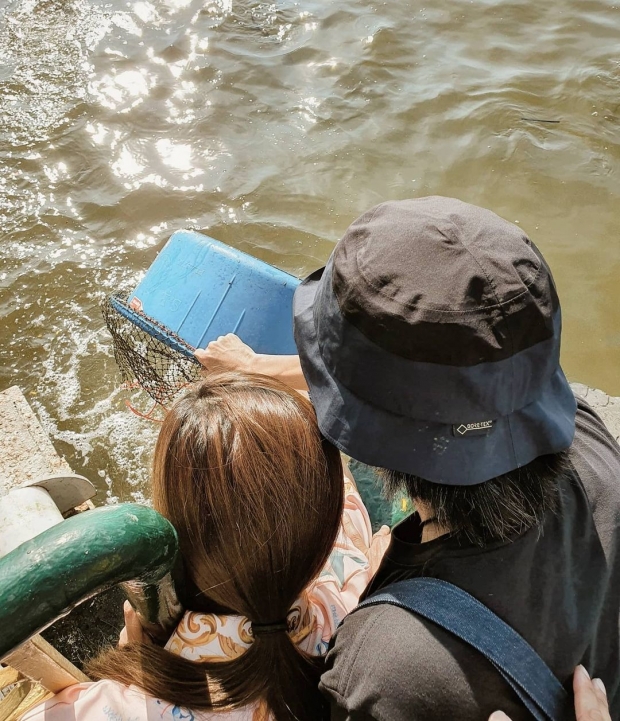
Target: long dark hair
{"x": 256, "y": 495}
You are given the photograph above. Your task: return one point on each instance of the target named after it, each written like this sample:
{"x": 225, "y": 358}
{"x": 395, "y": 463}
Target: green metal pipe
{"x": 43, "y": 579}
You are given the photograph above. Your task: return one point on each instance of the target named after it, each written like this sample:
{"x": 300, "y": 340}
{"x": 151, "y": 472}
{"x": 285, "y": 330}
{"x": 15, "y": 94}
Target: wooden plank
{"x": 11, "y": 702}
{"x": 8, "y": 676}
{"x": 32, "y": 695}
{"x": 40, "y": 661}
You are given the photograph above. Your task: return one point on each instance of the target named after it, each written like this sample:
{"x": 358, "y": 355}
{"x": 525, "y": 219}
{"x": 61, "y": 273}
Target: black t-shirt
{"x": 558, "y": 586}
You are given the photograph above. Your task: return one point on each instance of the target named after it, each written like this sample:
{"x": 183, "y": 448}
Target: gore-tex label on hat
{"x": 466, "y": 430}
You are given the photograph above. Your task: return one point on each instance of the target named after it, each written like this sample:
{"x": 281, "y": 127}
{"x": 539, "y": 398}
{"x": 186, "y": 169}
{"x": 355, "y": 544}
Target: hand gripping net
{"x": 149, "y": 355}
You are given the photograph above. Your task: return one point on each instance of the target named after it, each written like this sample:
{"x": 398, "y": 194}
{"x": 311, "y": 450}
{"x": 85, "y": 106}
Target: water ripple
{"x": 272, "y": 125}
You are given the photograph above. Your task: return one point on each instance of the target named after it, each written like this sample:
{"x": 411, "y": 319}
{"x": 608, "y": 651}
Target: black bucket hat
{"x": 431, "y": 342}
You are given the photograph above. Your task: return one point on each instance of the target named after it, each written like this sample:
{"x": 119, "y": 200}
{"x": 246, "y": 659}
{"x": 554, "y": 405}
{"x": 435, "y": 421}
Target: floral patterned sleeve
{"x": 345, "y": 575}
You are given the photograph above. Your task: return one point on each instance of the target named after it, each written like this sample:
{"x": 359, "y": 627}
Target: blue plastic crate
{"x": 199, "y": 289}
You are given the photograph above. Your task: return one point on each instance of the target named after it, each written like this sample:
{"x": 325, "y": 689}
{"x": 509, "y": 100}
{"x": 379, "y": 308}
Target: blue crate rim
{"x": 226, "y": 246}
{"x": 153, "y": 328}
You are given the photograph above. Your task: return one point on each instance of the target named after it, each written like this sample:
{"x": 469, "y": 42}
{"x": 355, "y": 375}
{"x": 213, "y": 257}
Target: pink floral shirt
{"x": 210, "y": 637}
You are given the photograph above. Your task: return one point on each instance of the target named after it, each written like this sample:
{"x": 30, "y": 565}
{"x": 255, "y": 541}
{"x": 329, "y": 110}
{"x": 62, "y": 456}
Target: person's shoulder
{"x": 376, "y": 640}
{"x": 370, "y": 629}
{"x": 595, "y": 454}
{"x": 360, "y": 666}
{"x": 589, "y": 423}
{"x": 387, "y": 663}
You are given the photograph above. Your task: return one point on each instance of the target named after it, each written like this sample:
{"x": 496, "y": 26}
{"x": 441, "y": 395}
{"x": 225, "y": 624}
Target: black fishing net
{"x": 149, "y": 355}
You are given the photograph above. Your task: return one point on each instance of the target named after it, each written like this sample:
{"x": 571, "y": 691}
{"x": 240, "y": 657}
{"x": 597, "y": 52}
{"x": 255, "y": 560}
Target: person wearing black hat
{"x": 430, "y": 345}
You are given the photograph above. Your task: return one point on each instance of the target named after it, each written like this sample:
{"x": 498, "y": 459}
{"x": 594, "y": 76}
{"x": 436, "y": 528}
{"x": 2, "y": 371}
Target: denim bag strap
{"x": 460, "y": 613}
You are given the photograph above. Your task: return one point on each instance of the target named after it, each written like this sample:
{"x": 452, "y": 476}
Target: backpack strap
{"x": 464, "y": 616}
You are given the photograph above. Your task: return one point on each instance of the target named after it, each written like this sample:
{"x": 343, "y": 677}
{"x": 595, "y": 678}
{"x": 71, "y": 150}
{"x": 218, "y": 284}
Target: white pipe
{"x": 24, "y": 513}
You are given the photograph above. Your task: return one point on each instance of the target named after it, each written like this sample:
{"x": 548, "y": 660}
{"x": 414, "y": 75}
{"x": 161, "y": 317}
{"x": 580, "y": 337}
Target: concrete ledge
{"x": 26, "y": 453}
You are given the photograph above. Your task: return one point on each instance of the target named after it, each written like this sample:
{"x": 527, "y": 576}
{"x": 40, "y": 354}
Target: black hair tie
{"x": 272, "y": 627}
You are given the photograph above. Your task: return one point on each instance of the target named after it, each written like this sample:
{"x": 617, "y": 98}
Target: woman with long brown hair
{"x": 276, "y": 551}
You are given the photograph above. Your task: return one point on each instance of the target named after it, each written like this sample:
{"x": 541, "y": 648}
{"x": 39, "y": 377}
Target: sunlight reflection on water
{"x": 272, "y": 125}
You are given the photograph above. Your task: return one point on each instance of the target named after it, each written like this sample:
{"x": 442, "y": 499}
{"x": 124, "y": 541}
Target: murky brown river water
{"x": 272, "y": 126}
